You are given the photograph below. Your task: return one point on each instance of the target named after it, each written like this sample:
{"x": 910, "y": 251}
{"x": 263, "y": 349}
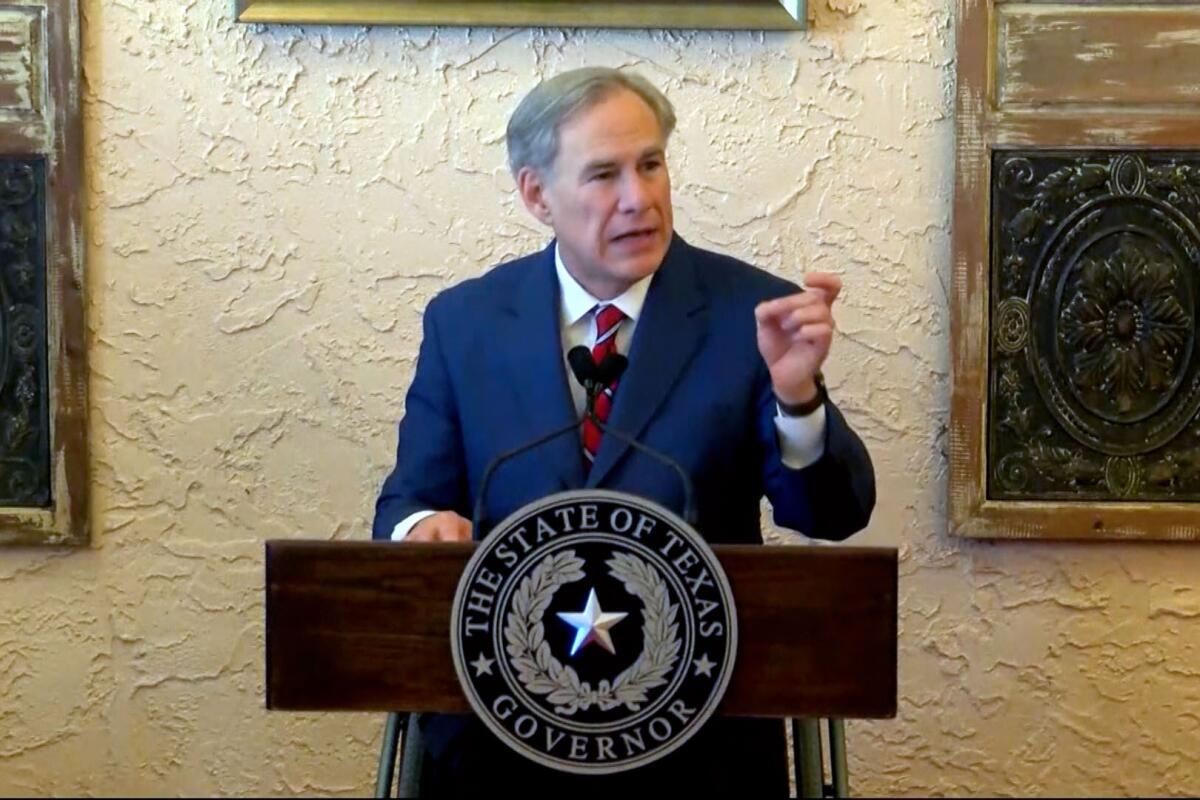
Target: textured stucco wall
{"x": 269, "y": 210}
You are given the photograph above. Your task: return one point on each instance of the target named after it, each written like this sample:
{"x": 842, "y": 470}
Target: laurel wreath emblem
{"x": 543, "y": 674}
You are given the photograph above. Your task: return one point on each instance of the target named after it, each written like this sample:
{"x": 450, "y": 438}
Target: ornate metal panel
{"x": 1093, "y": 369}
{"x": 44, "y": 483}
{"x": 1075, "y": 381}
{"x": 24, "y": 402}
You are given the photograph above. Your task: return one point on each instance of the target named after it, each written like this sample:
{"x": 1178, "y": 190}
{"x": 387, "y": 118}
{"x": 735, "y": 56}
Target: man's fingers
{"x": 805, "y": 315}
{"x": 453, "y": 528}
{"x": 827, "y": 283}
{"x": 813, "y": 333}
{"x": 426, "y": 531}
{"x": 445, "y": 526}
{"x": 420, "y": 534}
{"x": 819, "y": 287}
{"x": 773, "y": 311}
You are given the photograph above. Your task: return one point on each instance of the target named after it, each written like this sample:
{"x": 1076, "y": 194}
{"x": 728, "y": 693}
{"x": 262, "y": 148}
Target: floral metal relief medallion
{"x": 1094, "y": 380}
{"x": 24, "y": 396}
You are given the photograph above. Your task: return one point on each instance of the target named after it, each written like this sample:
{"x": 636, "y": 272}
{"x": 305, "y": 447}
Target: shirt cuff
{"x": 801, "y": 439}
{"x": 408, "y": 523}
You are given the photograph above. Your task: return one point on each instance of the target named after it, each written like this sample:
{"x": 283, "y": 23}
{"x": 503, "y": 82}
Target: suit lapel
{"x": 529, "y": 338}
{"x": 672, "y": 326}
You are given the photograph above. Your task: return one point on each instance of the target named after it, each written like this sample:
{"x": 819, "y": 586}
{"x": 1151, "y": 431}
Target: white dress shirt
{"x": 801, "y": 439}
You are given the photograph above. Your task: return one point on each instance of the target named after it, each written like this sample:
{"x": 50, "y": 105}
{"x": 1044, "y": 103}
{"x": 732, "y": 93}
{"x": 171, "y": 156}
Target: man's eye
{"x": 652, "y": 164}
{"x": 601, "y": 176}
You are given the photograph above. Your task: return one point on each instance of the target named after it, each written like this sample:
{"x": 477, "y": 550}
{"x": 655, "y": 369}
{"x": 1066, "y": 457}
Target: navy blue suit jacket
{"x": 491, "y": 376}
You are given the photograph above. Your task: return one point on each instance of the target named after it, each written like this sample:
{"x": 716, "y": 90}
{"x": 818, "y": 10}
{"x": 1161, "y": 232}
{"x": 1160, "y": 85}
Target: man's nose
{"x": 635, "y": 193}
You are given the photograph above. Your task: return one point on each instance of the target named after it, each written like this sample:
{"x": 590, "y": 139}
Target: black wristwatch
{"x": 807, "y": 408}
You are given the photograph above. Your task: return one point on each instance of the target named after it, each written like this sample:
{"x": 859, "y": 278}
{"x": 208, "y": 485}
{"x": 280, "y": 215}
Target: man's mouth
{"x": 635, "y": 235}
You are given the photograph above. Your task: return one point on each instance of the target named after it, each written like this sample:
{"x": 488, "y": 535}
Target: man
{"x": 723, "y": 376}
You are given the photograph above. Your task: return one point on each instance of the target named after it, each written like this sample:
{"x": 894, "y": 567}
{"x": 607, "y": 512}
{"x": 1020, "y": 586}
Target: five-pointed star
{"x": 592, "y": 624}
{"x": 703, "y": 665}
{"x": 482, "y": 665}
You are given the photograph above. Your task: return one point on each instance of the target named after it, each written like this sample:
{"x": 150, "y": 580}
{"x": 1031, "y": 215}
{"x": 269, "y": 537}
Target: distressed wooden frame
{"x": 55, "y": 134}
{"x": 1143, "y": 114}
{"x": 716, "y": 14}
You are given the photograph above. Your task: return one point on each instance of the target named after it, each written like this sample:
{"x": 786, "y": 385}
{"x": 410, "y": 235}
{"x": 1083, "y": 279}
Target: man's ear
{"x": 532, "y": 187}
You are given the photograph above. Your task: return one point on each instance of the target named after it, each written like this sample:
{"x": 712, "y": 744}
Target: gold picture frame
{"x": 685, "y": 14}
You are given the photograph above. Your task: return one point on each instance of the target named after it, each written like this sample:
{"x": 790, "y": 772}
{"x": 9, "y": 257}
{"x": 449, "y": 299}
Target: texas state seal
{"x": 594, "y": 631}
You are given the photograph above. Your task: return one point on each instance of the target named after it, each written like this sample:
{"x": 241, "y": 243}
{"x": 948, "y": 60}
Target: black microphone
{"x": 611, "y": 367}
{"x": 590, "y": 376}
{"x": 594, "y": 378}
{"x": 583, "y": 367}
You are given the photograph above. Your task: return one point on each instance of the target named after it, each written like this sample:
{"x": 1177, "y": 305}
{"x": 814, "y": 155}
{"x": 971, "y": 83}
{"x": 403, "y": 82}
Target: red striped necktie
{"x": 608, "y": 322}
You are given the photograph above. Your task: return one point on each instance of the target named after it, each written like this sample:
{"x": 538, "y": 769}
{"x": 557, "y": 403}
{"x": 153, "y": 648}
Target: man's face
{"x": 609, "y": 197}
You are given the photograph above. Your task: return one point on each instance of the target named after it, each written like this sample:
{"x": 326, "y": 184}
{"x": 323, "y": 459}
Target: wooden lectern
{"x": 365, "y": 626}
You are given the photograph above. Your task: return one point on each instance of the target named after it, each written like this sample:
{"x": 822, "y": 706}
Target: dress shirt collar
{"x": 577, "y": 301}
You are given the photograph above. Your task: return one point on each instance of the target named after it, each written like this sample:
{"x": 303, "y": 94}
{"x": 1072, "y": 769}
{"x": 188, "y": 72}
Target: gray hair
{"x": 533, "y": 129}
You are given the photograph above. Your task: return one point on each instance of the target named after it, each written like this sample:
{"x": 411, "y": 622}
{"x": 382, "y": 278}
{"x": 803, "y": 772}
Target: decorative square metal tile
{"x": 24, "y": 402}
{"x": 1093, "y": 374}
